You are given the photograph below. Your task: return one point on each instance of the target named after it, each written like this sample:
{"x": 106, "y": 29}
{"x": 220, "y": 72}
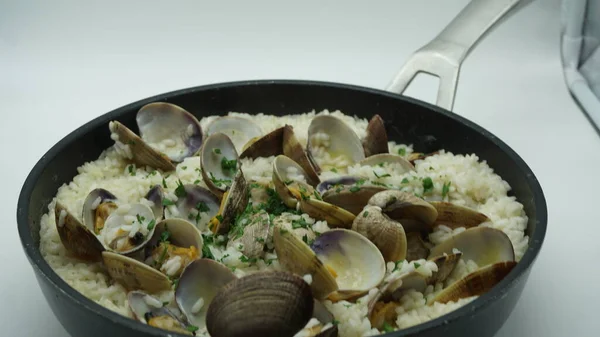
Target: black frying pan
{"x": 407, "y": 120}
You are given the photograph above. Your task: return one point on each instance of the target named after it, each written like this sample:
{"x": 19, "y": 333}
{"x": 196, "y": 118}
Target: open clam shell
{"x": 376, "y": 140}
{"x": 198, "y": 206}
{"x": 293, "y": 149}
{"x": 128, "y": 228}
{"x": 266, "y": 304}
{"x": 353, "y": 260}
{"x": 398, "y": 164}
{"x": 483, "y": 245}
{"x": 97, "y": 206}
{"x": 155, "y": 197}
{"x": 150, "y": 310}
{"x": 329, "y": 137}
{"x": 416, "y": 248}
{"x": 133, "y": 274}
{"x": 415, "y": 214}
{"x": 253, "y": 236}
{"x": 353, "y": 198}
{"x": 290, "y": 181}
{"x": 335, "y": 216}
{"x": 233, "y": 203}
{"x": 387, "y": 234}
{"x": 239, "y": 129}
{"x": 455, "y": 216}
{"x": 476, "y": 283}
{"x": 268, "y": 145}
{"x": 77, "y": 239}
{"x": 198, "y": 285}
{"x": 219, "y": 163}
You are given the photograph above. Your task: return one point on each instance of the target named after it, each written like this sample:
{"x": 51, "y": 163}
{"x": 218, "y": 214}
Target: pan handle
{"x": 443, "y": 56}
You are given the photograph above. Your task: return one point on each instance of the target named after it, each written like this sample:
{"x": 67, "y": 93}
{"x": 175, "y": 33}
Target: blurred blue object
{"x": 580, "y": 51}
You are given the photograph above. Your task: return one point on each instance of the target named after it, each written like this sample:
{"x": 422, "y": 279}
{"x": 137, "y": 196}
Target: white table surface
{"x": 66, "y": 63}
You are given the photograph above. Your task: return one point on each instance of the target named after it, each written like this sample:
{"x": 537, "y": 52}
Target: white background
{"x": 63, "y": 63}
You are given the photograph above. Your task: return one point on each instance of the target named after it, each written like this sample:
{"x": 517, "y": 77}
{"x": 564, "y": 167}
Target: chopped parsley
{"x": 219, "y": 217}
{"x": 217, "y": 151}
{"x": 153, "y": 173}
{"x": 417, "y": 265}
{"x": 354, "y": 189}
{"x": 226, "y": 182}
{"x": 387, "y": 327}
{"x": 206, "y": 252}
{"x": 151, "y": 224}
{"x": 382, "y": 176}
{"x": 398, "y": 265}
{"x": 446, "y": 189}
{"x": 245, "y": 259}
{"x": 228, "y": 165}
{"x": 404, "y": 181}
{"x": 192, "y": 328}
{"x": 402, "y": 151}
{"x": 379, "y": 183}
{"x": 197, "y": 181}
{"x": 184, "y": 167}
{"x": 260, "y": 240}
{"x": 305, "y": 238}
{"x": 365, "y": 214}
{"x": 335, "y": 322}
{"x": 164, "y": 183}
{"x": 334, "y": 170}
{"x": 300, "y": 223}
{"x": 202, "y": 207}
{"x": 140, "y": 219}
{"x": 180, "y": 190}
{"x": 165, "y": 303}
{"x": 167, "y": 202}
{"x": 131, "y": 170}
{"x": 427, "y": 185}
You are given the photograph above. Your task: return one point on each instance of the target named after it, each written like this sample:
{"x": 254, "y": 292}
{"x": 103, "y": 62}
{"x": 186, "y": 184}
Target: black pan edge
{"x": 42, "y": 268}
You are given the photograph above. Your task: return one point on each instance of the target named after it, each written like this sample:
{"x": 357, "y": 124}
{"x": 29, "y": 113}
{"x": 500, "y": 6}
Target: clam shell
{"x": 400, "y": 164}
{"x": 261, "y": 304}
{"x": 156, "y": 196}
{"x": 387, "y": 234}
{"x": 217, "y": 148}
{"x": 351, "y": 198}
{"x": 268, "y": 145}
{"x": 159, "y": 121}
{"x": 202, "y": 278}
{"x": 287, "y": 177}
{"x": 455, "y": 216}
{"x": 376, "y": 140}
{"x": 416, "y": 248}
{"x": 133, "y": 274}
{"x": 196, "y": 198}
{"x": 446, "y": 264}
{"x": 77, "y": 239}
{"x": 89, "y": 211}
{"x": 234, "y": 202}
{"x": 293, "y": 149}
{"x": 476, "y": 283}
{"x": 239, "y": 129}
{"x": 141, "y": 153}
{"x": 483, "y": 245}
{"x": 413, "y": 213}
{"x": 413, "y": 157}
{"x": 297, "y": 257}
{"x": 117, "y": 219}
{"x": 254, "y": 235}
{"x": 335, "y": 216}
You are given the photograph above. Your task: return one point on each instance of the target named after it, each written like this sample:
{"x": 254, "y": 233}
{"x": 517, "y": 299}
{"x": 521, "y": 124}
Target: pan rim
{"x": 42, "y": 268}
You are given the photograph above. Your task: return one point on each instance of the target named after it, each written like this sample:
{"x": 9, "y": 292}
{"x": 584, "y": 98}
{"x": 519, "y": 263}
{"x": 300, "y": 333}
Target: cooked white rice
{"x": 473, "y": 184}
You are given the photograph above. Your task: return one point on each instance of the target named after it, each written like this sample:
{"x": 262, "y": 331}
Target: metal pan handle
{"x": 443, "y": 56}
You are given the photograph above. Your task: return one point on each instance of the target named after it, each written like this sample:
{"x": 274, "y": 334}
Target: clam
{"x": 253, "y": 235}
{"x": 375, "y": 140}
{"x": 476, "y": 283}
{"x": 198, "y": 285}
{"x": 128, "y": 228}
{"x": 239, "y": 129}
{"x": 261, "y": 304}
{"x": 343, "y": 264}
{"x": 154, "y": 198}
{"x": 97, "y": 206}
{"x": 150, "y": 310}
{"x": 415, "y": 214}
{"x": 233, "y": 203}
{"x": 455, "y": 216}
{"x": 174, "y": 244}
{"x": 413, "y": 157}
{"x": 197, "y": 205}
{"x": 219, "y": 163}
{"x": 290, "y": 183}
{"x": 167, "y": 133}
{"x": 397, "y": 163}
{"x": 268, "y": 145}
{"x": 348, "y": 193}
{"x": 445, "y": 264}
{"x": 293, "y": 149}
{"x": 77, "y": 238}
{"x": 483, "y": 245}
{"x": 295, "y": 225}
{"x": 416, "y": 248}
{"x": 387, "y": 234}
{"x": 383, "y": 312}
{"x": 330, "y": 138}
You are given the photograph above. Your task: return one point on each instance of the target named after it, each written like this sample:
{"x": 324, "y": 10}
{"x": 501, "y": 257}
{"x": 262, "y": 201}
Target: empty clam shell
{"x": 268, "y": 145}
{"x": 387, "y": 234}
{"x": 293, "y": 149}
{"x": 455, "y": 216}
{"x": 483, "y": 245}
{"x": 376, "y": 140}
{"x": 150, "y": 310}
{"x": 296, "y": 256}
{"x": 290, "y": 181}
{"x": 198, "y": 285}
{"x": 476, "y": 283}
{"x": 233, "y": 203}
{"x": 198, "y": 206}
{"x": 97, "y": 206}
{"x": 353, "y": 260}
{"x": 239, "y": 129}
{"x": 170, "y": 129}
{"x": 329, "y": 136}
{"x": 219, "y": 163}
{"x": 415, "y": 214}
{"x": 133, "y": 274}
{"x": 77, "y": 239}
{"x": 261, "y": 304}
{"x": 398, "y": 164}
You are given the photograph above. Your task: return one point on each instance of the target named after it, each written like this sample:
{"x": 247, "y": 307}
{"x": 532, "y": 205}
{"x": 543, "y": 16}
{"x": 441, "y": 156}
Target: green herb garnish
{"x": 228, "y": 165}
{"x": 417, "y": 265}
{"x": 300, "y": 223}
{"x": 334, "y": 170}
{"x": 387, "y": 327}
{"x": 382, "y": 176}
{"x": 427, "y": 185}
{"x": 245, "y": 259}
{"x": 354, "y": 189}
{"x": 180, "y": 190}
{"x": 192, "y": 328}
{"x": 446, "y": 189}
{"x": 131, "y": 170}
{"x": 404, "y": 181}
{"x": 402, "y": 151}
{"x": 365, "y": 214}
{"x": 217, "y": 151}
{"x": 167, "y": 202}
{"x": 197, "y": 181}
{"x": 398, "y": 265}
{"x": 164, "y": 183}
{"x": 218, "y": 182}
{"x": 151, "y": 224}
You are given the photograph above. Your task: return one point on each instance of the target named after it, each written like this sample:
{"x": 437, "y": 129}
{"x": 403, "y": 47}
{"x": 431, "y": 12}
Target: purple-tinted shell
{"x": 343, "y": 180}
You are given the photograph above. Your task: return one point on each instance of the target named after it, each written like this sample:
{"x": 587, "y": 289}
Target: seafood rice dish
{"x": 313, "y": 224}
